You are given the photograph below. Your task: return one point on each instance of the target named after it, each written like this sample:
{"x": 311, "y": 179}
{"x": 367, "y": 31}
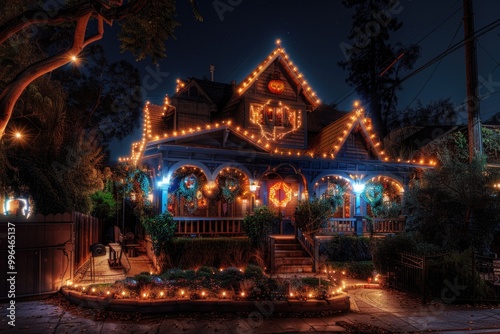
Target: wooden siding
{"x": 355, "y": 147}
{"x": 261, "y": 89}
{"x": 192, "y": 113}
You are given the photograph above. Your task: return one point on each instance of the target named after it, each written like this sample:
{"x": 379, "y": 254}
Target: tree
{"x": 374, "y": 64}
{"x": 311, "y": 215}
{"x": 104, "y": 97}
{"x": 54, "y": 160}
{"x": 455, "y": 206}
{"x": 259, "y": 225}
{"x": 103, "y": 205}
{"x": 145, "y": 26}
{"x": 436, "y": 113}
{"x": 161, "y": 229}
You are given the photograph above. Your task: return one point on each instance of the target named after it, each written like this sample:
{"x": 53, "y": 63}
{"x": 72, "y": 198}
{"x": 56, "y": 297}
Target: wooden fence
{"x": 48, "y": 250}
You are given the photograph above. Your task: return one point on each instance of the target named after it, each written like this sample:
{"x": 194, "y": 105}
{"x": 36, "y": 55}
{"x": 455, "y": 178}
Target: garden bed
{"x": 208, "y": 289}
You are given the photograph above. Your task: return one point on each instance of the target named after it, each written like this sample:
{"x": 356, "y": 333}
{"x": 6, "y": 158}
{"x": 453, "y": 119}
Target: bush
{"x": 161, "y": 229}
{"x": 230, "y": 279}
{"x": 387, "y": 250}
{"x": 259, "y": 225}
{"x": 349, "y": 248}
{"x": 212, "y": 252}
{"x": 362, "y": 269}
{"x": 253, "y": 271}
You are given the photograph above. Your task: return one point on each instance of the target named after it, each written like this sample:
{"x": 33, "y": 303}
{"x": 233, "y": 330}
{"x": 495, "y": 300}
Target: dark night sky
{"x": 312, "y": 33}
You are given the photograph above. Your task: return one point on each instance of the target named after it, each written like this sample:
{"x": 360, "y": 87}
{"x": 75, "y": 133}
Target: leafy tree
{"x": 455, "y": 205}
{"x": 103, "y": 205}
{"x": 311, "y": 215}
{"x": 456, "y": 144}
{"x": 104, "y": 97}
{"x": 373, "y": 63}
{"x": 161, "y": 229}
{"x": 259, "y": 225}
{"x": 55, "y": 160}
{"x": 145, "y": 26}
{"x": 440, "y": 112}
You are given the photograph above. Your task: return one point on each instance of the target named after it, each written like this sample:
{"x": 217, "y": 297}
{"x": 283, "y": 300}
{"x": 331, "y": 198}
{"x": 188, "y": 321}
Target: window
{"x": 279, "y": 116}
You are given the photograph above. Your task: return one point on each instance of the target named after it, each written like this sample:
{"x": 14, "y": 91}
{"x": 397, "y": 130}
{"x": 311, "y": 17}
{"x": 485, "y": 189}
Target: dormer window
{"x": 275, "y": 119}
{"x": 273, "y": 116}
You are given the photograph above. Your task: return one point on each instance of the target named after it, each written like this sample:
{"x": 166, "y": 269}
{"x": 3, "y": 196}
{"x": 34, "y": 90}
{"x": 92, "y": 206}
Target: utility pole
{"x": 474, "y": 120}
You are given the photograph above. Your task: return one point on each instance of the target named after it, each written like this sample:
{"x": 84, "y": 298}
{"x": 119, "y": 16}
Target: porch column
{"x": 358, "y": 204}
{"x": 164, "y": 200}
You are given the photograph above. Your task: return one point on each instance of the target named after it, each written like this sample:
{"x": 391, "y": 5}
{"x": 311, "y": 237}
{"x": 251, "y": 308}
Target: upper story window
{"x": 274, "y": 116}
{"x": 275, "y": 120}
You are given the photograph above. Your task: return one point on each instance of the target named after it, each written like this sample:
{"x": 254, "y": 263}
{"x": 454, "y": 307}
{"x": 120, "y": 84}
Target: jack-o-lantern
{"x": 276, "y": 86}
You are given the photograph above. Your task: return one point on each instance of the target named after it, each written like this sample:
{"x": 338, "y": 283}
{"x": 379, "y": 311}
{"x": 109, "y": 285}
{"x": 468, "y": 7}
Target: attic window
{"x": 275, "y": 119}
{"x": 278, "y": 116}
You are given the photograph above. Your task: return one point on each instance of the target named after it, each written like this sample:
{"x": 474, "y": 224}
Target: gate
{"x": 450, "y": 277}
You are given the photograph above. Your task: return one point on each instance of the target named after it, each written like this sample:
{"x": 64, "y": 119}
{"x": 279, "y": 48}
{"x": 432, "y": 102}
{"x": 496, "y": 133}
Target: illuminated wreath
{"x": 231, "y": 185}
{"x": 188, "y": 187}
{"x": 373, "y": 192}
{"x": 274, "y": 194}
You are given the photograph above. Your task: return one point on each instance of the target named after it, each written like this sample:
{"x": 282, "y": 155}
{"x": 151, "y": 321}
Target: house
{"x": 217, "y": 150}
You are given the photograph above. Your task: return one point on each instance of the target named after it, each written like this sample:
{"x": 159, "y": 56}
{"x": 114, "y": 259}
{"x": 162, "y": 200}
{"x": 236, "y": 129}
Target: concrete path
{"x": 372, "y": 311}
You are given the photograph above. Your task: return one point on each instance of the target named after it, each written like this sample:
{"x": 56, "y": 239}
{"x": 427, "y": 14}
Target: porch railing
{"x": 339, "y": 225}
{"x": 306, "y": 241}
{"x": 350, "y": 226}
{"x": 385, "y": 225}
{"x": 208, "y": 226}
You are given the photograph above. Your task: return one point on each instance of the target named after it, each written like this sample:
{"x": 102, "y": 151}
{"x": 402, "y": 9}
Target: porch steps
{"x": 290, "y": 257}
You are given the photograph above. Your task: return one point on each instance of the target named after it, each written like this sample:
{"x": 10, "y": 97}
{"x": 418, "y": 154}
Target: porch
{"x": 232, "y": 226}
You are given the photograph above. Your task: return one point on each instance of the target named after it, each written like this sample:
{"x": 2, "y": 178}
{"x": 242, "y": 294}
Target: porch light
{"x": 358, "y": 187}
{"x": 254, "y": 186}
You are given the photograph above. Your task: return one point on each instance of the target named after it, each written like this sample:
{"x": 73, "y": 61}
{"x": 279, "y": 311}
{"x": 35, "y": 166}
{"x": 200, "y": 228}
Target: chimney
{"x": 212, "y": 70}
{"x": 233, "y": 85}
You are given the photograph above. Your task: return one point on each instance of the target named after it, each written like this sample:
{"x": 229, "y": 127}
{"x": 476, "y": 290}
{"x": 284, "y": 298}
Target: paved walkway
{"x": 372, "y": 311}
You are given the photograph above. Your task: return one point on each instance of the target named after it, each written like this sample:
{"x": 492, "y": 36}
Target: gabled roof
{"x": 323, "y": 116}
{"x": 279, "y": 54}
{"x": 331, "y": 139}
{"x": 222, "y": 132}
{"x": 188, "y": 85}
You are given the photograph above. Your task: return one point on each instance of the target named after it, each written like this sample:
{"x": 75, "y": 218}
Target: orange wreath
{"x": 274, "y": 194}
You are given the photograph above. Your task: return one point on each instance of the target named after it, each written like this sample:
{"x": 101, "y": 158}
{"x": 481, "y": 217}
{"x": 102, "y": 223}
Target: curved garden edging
{"x": 336, "y": 304}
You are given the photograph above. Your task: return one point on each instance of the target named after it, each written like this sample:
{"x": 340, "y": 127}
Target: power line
{"x": 454, "y": 48}
{"x": 433, "y": 71}
{"x": 351, "y": 90}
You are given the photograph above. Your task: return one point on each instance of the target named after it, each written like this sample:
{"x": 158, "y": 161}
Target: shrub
{"x": 387, "y": 250}
{"x": 253, "y": 271}
{"x": 161, "y": 229}
{"x": 360, "y": 269}
{"x": 212, "y": 252}
{"x": 259, "y": 225}
{"x": 230, "y": 278}
{"x": 349, "y": 248}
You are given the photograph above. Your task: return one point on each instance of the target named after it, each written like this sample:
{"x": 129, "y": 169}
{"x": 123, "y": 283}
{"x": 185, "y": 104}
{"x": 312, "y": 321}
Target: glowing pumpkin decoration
{"x": 276, "y": 86}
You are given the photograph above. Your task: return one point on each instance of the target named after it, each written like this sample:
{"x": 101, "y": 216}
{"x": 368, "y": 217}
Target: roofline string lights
{"x": 280, "y": 52}
{"x": 267, "y": 145}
